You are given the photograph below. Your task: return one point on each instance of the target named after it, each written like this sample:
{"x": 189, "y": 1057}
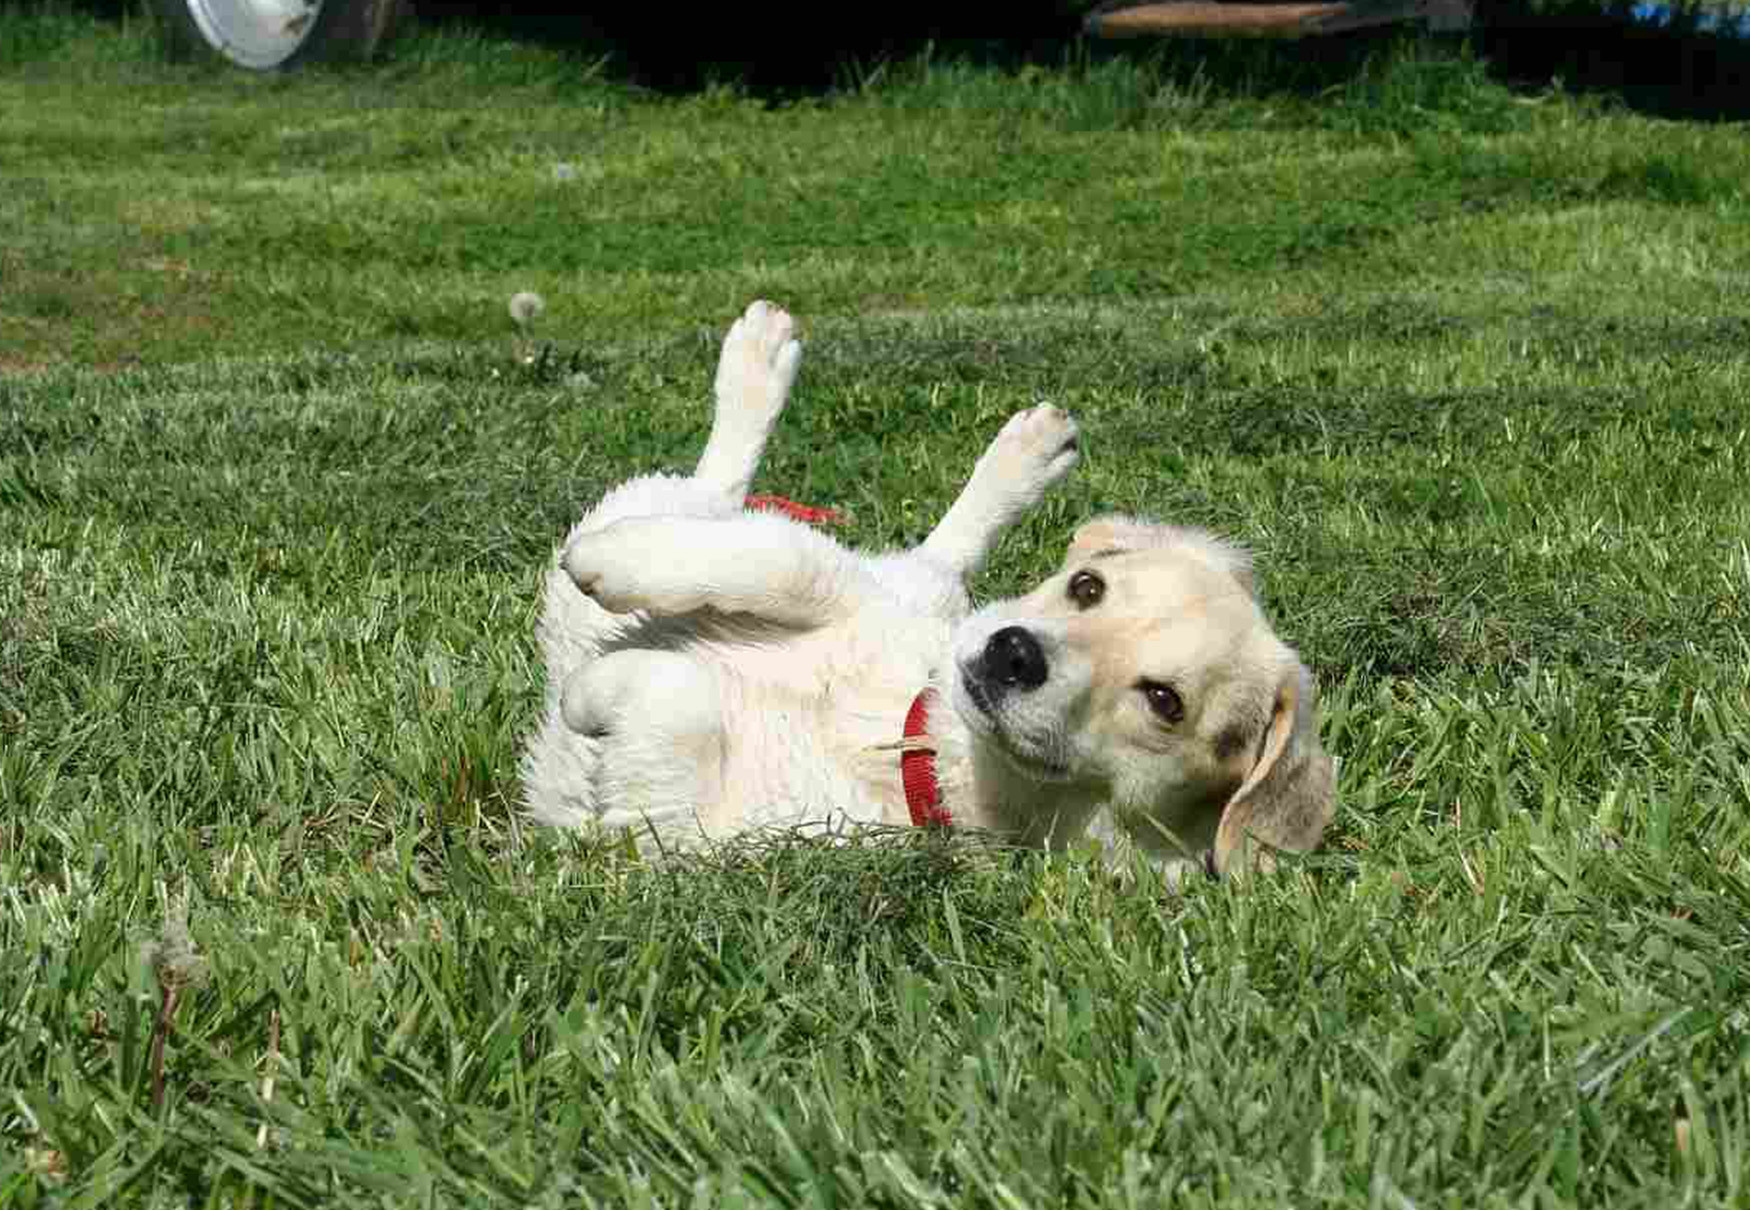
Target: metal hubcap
{"x": 255, "y": 33}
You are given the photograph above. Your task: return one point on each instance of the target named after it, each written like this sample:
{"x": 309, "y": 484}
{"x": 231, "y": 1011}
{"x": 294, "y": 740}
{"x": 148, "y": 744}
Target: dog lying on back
{"x": 712, "y": 670}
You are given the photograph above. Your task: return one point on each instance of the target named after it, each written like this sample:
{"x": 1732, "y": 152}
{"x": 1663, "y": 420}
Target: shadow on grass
{"x": 1666, "y": 71}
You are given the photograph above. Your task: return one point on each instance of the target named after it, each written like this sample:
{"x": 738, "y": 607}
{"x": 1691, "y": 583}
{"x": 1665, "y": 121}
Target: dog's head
{"x": 1145, "y": 674}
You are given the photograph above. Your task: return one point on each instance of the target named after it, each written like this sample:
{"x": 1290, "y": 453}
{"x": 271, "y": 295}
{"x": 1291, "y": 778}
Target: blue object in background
{"x": 1735, "y": 25}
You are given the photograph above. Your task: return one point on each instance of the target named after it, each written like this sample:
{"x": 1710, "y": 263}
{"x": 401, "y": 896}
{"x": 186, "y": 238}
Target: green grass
{"x": 1467, "y": 370}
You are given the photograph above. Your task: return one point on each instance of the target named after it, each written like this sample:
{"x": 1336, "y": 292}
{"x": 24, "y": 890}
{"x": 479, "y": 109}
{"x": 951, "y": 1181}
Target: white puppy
{"x": 712, "y": 670}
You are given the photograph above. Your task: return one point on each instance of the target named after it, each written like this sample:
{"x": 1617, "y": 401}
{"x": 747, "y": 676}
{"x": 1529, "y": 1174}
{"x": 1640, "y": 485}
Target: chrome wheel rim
{"x": 255, "y": 33}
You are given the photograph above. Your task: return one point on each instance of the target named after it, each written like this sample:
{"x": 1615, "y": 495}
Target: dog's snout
{"x": 1014, "y": 659}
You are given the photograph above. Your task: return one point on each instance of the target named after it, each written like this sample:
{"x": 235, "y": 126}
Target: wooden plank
{"x": 1202, "y": 19}
{"x": 1195, "y": 19}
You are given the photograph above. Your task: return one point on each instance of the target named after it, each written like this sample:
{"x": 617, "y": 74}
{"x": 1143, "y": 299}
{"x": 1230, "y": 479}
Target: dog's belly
{"x": 810, "y": 732}
{"x": 799, "y": 761}
{"x": 808, "y": 720}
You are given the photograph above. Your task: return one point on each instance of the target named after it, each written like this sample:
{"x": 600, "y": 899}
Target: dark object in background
{"x": 784, "y": 45}
{"x": 1672, "y": 69}
{"x": 1590, "y": 45}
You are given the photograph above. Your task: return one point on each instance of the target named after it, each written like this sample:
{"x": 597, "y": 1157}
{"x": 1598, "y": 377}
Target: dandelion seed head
{"x": 171, "y": 954}
{"x": 526, "y": 307}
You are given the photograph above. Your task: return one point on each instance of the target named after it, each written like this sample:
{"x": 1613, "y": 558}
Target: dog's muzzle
{"x": 1011, "y": 660}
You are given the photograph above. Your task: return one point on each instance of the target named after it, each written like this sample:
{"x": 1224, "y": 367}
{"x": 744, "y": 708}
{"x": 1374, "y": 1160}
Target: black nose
{"x": 1012, "y": 659}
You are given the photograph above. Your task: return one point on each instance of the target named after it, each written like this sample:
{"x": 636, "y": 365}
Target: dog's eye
{"x": 1086, "y": 588}
{"x": 1163, "y": 700}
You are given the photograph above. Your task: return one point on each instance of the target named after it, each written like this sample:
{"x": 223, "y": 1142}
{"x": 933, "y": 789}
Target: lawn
{"x": 1467, "y": 368}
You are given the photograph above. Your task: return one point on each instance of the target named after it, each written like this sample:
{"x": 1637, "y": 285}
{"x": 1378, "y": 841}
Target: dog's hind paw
{"x": 754, "y": 376}
{"x": 760, "y": 358}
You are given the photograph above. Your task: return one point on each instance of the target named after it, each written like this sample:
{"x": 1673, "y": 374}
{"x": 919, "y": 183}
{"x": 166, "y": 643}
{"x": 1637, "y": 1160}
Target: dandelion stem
{"x": 272, "y": 1066}
{"x": 166, "y": 1008}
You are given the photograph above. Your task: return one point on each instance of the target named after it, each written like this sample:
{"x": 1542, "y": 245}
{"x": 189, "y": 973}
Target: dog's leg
{"x": 764, "y": 566}
{"x": 655, "y": 723}
{"x": 1035, "y": 449}
{"x": 754, "y": 375}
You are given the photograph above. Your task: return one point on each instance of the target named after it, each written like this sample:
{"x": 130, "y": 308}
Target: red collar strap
{"x": 806, "y": 513}
{"x": 917, "y": 768}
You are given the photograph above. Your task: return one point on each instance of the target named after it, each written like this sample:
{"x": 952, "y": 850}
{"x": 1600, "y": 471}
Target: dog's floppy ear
{"x": 1288, "y": 797}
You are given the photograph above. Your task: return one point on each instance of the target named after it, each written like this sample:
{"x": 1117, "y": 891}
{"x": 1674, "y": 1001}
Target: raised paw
{"x": 1035, "y": 449}
{"x": 754, "y": 376}
{"x": 758, "y": 366}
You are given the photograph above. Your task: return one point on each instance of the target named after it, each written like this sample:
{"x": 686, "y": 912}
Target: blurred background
{"x": 1688, "y": 58}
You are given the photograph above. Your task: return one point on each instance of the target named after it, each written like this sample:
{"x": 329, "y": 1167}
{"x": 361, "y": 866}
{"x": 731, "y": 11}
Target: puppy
{"x": 712, "y": 670}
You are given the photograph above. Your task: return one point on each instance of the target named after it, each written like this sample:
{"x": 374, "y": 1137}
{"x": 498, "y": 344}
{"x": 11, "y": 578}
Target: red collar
{"x": 796, "y": 512}
{"x": 917, "y": 768}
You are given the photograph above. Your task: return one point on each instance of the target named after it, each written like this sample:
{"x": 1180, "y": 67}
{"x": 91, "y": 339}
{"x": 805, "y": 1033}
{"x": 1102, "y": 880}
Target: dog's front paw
{"x": 598, "y": 564}
{"x": 1035, "y": 449}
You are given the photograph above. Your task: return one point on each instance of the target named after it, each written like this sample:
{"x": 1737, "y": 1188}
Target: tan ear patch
{"x": 1109, "y": 534}
{"x": 1288, "y": 798}
{"x": 1118, "y": 534}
